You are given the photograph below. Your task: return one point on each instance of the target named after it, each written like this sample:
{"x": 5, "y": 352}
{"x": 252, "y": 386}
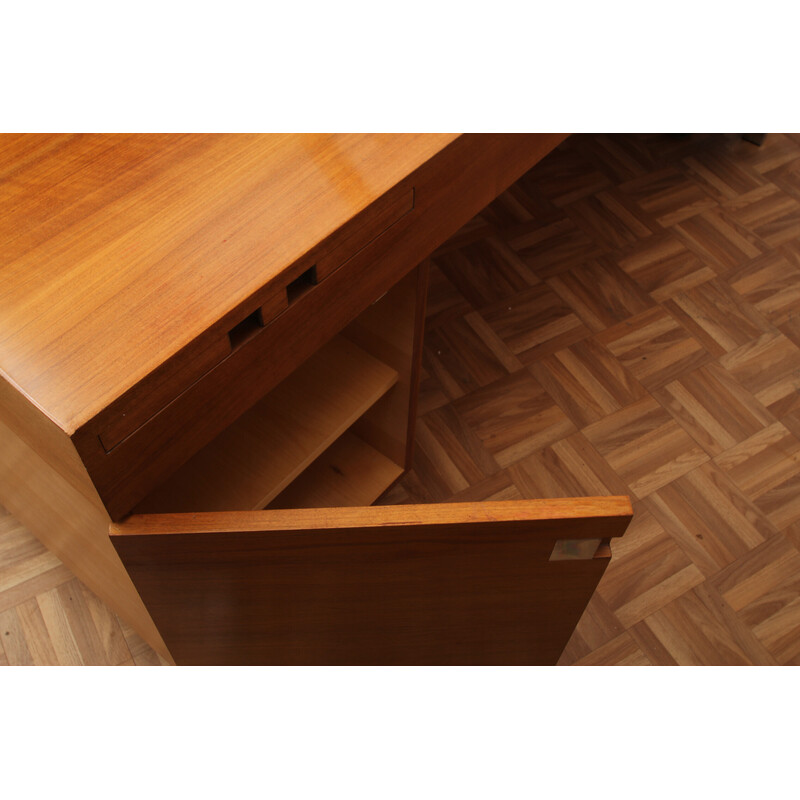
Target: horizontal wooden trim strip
{"x": 511, "y": 511}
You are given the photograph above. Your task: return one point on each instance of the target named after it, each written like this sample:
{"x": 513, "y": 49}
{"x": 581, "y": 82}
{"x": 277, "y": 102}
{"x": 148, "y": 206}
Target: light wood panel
{"x": 131, "y": 262}
{"x": 74, "y": 528}
{"x": 269, "y": 446}
{"x": 348, "y": 473}
{"x": 177, "y": 230}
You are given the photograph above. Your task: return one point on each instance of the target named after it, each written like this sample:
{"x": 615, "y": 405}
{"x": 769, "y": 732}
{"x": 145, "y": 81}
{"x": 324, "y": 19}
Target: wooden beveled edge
{"x": 378, "y": 516}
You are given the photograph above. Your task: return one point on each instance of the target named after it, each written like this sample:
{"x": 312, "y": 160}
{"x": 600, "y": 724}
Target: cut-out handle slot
{"x": 246, "y": 329}
{"x": 301, "y": 284}
{"x": 580, "y": 549}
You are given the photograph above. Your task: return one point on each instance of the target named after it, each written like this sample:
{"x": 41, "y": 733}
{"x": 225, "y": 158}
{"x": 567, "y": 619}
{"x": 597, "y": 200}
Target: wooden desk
{"x": 196, "y": 327}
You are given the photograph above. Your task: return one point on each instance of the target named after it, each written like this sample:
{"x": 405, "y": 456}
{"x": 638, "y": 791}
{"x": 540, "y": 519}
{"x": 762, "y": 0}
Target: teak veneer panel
{"x": 457, "y": 583}
{"x": 127, "y": 259}
{"x": 120, "y": 250}
{"x": 348, "y": 473}
{"x": 128, "y": 263}
{"x": 248, "y": 464}
{"x": 72, "y": 526}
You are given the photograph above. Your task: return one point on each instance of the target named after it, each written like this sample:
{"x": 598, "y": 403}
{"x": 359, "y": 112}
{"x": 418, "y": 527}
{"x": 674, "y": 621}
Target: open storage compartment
{"x": 264, "y": 547}
{"x": 333, "y": 433}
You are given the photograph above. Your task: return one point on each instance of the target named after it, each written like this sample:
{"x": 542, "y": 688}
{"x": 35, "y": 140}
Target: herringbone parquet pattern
{"x": 625, "y": 319}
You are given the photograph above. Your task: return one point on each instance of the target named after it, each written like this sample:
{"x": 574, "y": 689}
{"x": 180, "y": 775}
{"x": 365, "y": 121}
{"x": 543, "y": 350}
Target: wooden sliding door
{"x": 461, "y": 583}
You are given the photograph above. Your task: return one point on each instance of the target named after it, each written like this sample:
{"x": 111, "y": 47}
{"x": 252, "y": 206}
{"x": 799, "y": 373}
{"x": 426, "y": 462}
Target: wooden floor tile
{"x": 779, "y": 634}
{"x": 492, "y": 342}
{"x": 477, "y": 229}
{"x": 107, "y": 628}
{"x": 768, "y": 212}
{"x": 457, "y": 453}
{"x": 722, "y": 177}
{"x": 59, "y": 630}
{"x": 587, "y": 382}
{"x": 654, "y": 347}
{"x": 611, "y": 219}
{"x": 763, "y": 461}
{"x": 715, "y": 316}
{"x": 434, "y": 466}
{"x": 787, "y": 178}
{"x": 687, "y": 632}
{"x": 461, "y": 354}
{"x": 600, "y": 293}
{"x": 536, "y": 323}
{"x": 741, "y": 633}
{"x": 790, "y": 328}
{"x": 781, "y": 504}
{"x": 569, "y": 177}
{"x": 717, "y": 241}
{"x": 764, "y": 589}
{"x": 713, "y": 408}
{"x": 596, "y": 627}
{"x": 772, "y": 285}
{"x": 766, "y": 468}
{"x": 431, "y": 393}
{"x": 668, "y": 195}
{"x": 486, "y": 271}
{"x": 769, "y": 367}
{"x": 711, "y": 520}
{"x": 777, "y": 150}
{"x": 645, "y": 446}
{"x": 791, "y": 252}
{"x": 622, "y": 651}
{"x": 612, "y": 155}
{"x": 569, "y": 468}
{"x": 514, "y": 417}
{"x": 495, "y": 487}
{"x": 743, "y": 583}
{"x": 522, "y": 203}
{"x": 141, "y": 654}
{"x": 26, "y": 640}
{"x": 646, "y": 572}
{"x": 663, "y": 266}
{"x": 35, "y": 575}
{"x": 555, "y": 247}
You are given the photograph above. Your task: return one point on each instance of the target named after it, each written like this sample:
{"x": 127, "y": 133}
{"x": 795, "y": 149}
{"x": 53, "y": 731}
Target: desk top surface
{"x": 118, "y": 250}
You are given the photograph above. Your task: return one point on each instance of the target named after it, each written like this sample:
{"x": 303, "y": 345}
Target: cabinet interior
{"x": 333, "y": 433}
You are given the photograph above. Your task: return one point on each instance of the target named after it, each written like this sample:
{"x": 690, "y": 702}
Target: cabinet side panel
{"x": 47, "y": 439}
{"x": 391, "y": 330}
{"x": 71, "y": 525}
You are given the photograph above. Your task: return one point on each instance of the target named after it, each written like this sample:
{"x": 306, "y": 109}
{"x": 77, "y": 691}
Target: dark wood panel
{"x": 439, "y": 584}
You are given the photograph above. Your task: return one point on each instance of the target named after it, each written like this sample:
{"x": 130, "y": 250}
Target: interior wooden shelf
{"x": 348, "y": 473}
{"x": 257, "y": 457}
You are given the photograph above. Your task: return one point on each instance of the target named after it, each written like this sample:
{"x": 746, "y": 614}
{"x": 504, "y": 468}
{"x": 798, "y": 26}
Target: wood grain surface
{"x": 174, "y": 265}
{"x": 668, "y": 597}
{"x": 257, "y": 457}
{"x": 120, "y": 250}
{"x": 447, "y": 583}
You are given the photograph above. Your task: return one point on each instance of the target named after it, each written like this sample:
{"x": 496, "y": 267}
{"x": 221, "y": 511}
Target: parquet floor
{"x": 625, "y": 319}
